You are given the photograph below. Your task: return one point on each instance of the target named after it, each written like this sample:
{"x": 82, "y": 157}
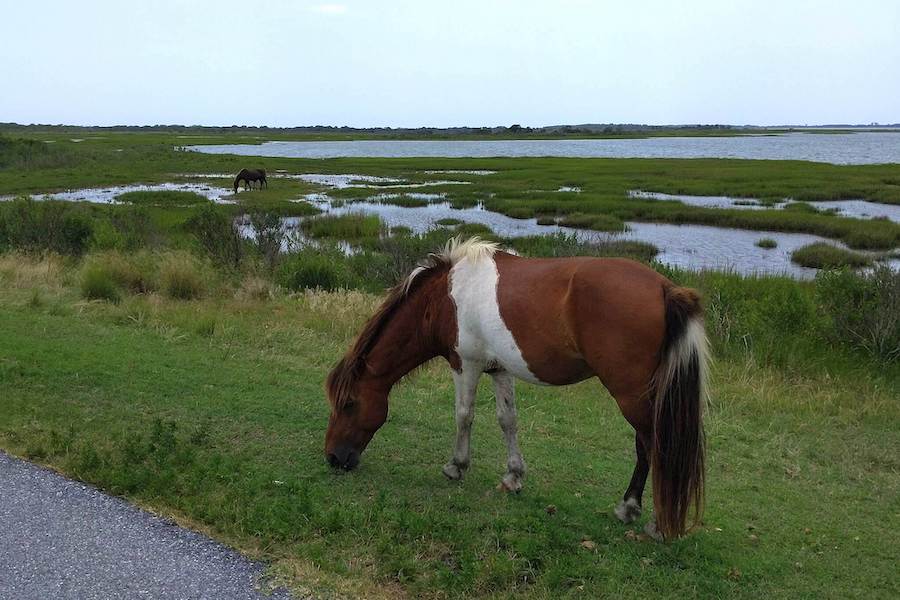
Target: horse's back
{"x": 555, "y": 320}
{"x": 573, "y": 317}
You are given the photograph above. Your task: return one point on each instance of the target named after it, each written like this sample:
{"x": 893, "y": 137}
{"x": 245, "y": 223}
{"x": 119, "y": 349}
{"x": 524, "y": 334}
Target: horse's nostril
{"x": 333, "y": 460}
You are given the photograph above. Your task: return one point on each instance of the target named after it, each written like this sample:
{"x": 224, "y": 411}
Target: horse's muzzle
{"x": 343, "y": 457}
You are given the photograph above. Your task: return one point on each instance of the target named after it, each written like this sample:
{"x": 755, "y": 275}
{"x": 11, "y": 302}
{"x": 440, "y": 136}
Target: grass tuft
{"x": 822, "y": 255}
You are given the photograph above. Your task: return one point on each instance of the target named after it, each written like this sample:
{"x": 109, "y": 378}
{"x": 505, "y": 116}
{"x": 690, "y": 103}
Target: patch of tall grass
{"x": 162, "y": 198}
{"x": 560, "y": 244}
{"x": 182, "y": 276}
{"x": 349, "y": 227}
{"x": 45, "y": 225}
{"x": 863, "y": 309}
{"x": 822, "y": 255}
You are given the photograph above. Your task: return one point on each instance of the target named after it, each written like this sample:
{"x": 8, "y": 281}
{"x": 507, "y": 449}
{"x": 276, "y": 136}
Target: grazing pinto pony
{"x": 249, "y": 175}
{"x": 552, "y": 321}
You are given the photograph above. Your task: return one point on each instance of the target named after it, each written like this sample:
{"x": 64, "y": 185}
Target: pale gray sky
{"x": 445, "y": 63}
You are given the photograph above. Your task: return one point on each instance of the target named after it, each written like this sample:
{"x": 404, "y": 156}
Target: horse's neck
{"x": 416, "y": 334}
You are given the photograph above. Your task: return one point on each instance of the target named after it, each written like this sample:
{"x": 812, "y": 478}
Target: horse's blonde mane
{"x": 455, "y": 250}
{"x": 342, "y": 377}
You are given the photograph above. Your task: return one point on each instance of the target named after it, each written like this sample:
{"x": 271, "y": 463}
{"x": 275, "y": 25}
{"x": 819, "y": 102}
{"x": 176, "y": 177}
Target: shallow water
{"x": 689, "y": 246}
{"x": 854, "y": 209}
{"x": 108, "y": 195}
{"x": 844, "y": 148}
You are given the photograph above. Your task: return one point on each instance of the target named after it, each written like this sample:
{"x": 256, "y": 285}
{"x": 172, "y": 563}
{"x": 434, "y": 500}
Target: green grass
{"x": 212, "y": 411}
{"x": 350, "y": 227}
{"x": 766, "y": 243}
{"x": 162, "y": 198}
{"x": 822, "y": 255}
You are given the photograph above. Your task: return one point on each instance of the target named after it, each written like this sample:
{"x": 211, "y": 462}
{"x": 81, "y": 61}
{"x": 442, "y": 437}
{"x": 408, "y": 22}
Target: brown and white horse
{"x": 549, "y": 321}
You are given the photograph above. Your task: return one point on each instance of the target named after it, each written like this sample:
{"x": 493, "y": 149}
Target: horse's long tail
{"x": 677, "y": 452}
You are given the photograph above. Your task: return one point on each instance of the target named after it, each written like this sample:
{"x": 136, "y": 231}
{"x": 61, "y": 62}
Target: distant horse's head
{"x": 358, "y": 410}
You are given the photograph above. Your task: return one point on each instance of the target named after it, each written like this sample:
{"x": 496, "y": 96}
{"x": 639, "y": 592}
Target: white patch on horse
{"x": 483, "y": 336}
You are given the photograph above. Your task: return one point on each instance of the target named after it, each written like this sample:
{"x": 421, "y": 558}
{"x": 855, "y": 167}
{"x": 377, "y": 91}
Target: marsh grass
{"x": 593, "y": 221}
{"x": 162, "y": 198}
{"x": 822, "y": 255}
{"x": 349, "y": 227}
{"x": 766, "y": 243}
{"x": 560, "y": 244}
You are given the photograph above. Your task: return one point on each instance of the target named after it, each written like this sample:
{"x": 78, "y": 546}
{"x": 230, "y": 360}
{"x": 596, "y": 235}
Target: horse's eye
{"x": 349, "y": 406}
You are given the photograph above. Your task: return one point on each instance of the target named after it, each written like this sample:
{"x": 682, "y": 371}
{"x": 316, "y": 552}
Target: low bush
{"x": 863, "y": 309}
{"x": 310, "y": 268}
{"x": 182, "y": 276}
{"x": 45, "y": 225}
{"x": 269, "y": 236}
{"x": 97, "y": 283}
{"x": 822, "y": 255}
{"x": 217, "y": 235}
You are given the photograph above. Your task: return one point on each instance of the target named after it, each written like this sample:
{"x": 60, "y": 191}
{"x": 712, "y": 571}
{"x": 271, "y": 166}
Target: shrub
{"x": 269, "y": 236}
{"x": 767, "y": 243}
{"x": 822, "y": 255}
{"x": 98, "y": 284}
{"x": 182, "y": 276}
{"x": 37, "y": 226}
{"x": 216, "y": 233}
{"x": 135, "y": 273}
{"x": 311, "y": 268}
{"x": 863, "y": 309}
{"x": 105, "y": 236}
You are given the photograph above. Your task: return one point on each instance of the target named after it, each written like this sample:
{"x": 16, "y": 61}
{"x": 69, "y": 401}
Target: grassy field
{"x": 212, "y": 411}
{"x": 200, "y": 392}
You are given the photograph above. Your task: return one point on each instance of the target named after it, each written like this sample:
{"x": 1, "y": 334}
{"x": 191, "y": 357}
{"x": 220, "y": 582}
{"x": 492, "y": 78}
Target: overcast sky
{"x": 445, "y": 63}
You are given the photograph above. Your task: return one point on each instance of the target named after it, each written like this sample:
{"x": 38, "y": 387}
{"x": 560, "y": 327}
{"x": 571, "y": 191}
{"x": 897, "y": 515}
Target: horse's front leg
{"x": 466, "y": 382}
{"x": 504, "y": 389}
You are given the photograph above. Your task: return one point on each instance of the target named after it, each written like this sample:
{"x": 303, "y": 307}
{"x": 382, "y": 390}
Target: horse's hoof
{"x": 628, "y": 511}
{"x": 453, "y": 472}
{"x": 512, "y": 482}
{"x": 651, "y": 530}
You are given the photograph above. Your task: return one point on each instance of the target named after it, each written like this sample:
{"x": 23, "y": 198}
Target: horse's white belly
{"x": 483, "y": 337}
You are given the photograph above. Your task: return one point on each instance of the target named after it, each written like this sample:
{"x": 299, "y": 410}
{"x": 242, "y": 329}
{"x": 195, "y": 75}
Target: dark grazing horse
{"x": 551, "y": 321}
{"x": 248, "y": 175}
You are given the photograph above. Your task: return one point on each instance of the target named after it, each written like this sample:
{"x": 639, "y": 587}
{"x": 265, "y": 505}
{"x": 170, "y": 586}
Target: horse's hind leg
{"x": 466, "y": 382}
{"x": 504, "y": 389}
{"x": 629, "y": 508}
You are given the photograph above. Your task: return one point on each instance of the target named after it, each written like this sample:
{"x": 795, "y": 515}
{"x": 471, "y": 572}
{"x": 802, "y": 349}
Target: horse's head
{"x": 358, "y": 410}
